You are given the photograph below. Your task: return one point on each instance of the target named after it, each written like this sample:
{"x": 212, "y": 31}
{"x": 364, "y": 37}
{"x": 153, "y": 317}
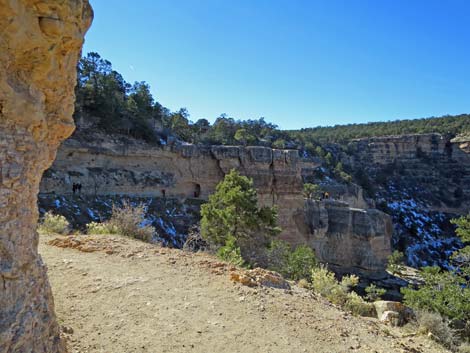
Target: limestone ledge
{"x": 388, "y": 149}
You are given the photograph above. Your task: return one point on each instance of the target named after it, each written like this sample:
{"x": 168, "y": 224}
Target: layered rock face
{"x": 432, "y": 162}
{"x": 104, "y": 167}
{"x": 423, "y": 181}
{"x": 40, "y": 44}
{"x": 351, "y": 239}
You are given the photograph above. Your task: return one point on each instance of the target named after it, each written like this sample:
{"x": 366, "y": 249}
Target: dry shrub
{"x": 325, "y": 284}
{"x": 101, "y": 228}
{"x": 52, "y": 223}
{"x": 126, "y": 220}
{"x": 195, "y": 242}
{"x": 464, "y": 348}
{"x": 358, "y": 306}
{"x": 436, "y": 327}
{"x": 130, "y": 221}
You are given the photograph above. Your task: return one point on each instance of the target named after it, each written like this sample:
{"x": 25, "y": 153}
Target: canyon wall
{"x": 40, "y": 44}
{"x": 105, "y": 167}
{"x": 433, "y": 162}
{"x": 109, "y": 166}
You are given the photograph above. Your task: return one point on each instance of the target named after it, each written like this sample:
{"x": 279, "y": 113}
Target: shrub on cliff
{"x": 52, "y": 223}
{"x": 435, "y": 326}
{"x": 231, "y": 253}
{"x": 232, "y": 212}
{"x": 395, "y": 262}
{"x": 129, "y": 220}
{"x": 325, "y": 284}
{"x": 374, "y": 293}
{"x": 312, "y": 191}
{"x": 294, "y": 263}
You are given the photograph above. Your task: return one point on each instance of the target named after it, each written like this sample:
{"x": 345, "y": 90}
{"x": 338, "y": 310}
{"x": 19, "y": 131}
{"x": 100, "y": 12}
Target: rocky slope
{"x": 39, "y": 47}
{"x": 108, "y": 168}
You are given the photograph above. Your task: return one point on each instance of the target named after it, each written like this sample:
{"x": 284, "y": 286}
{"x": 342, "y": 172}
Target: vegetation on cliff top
{"x": 107, "y": 101}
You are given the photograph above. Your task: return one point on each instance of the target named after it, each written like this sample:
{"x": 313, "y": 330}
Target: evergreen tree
{"x": 232, "y": 214}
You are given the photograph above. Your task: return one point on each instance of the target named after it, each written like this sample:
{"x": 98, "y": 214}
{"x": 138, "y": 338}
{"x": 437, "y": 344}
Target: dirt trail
{"x": 136, "y": 297}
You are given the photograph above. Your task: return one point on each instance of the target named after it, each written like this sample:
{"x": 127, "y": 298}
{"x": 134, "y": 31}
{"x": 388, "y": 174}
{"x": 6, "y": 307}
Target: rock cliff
{"x": 39, "y": 47}
{"x": 109, "y": 166}
{"x": 422, "y": 181}
{"x": 354, "y": 239}
{"x": 432, "y": 161}
{"x": 105, "y": 167}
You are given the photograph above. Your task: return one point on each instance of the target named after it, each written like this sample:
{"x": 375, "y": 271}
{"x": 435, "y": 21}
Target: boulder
{"x": 392, "y": 318}
{"x": 260, "y": 277}
{"x": 394, "y": 313}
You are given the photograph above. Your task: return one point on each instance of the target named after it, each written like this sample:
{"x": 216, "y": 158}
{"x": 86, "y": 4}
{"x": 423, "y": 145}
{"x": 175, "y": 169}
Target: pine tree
{"x": 232, "y": 214}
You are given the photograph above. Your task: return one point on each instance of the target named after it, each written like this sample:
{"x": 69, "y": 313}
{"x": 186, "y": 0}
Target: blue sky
{"x": 296, "y": 63}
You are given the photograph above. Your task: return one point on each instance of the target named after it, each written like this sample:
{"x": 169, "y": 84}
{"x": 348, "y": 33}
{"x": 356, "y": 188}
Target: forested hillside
{"x": 106, "y": 101}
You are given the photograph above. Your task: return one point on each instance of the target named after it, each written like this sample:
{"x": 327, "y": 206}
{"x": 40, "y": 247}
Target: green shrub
{"x": 396, "y": 262}
{"x": 52, "y": 223}
{"x": 358, "y": 306}
{"x": 231, "y": 253}
{"x": 348, "y": 282}
{"x": 278, "y": 256}
{"x": 374, "y": 293}
{"x": 294, "y": 264}
{"x": 300, "y": 262}
{"x": 339, "y": 292}
{"x": 443, "y": 292}
{"x": 325, "y": 284}
{"x": 433, "y": 325}
{"x": 312, "y": 191}
{"x": 101, "y": 228}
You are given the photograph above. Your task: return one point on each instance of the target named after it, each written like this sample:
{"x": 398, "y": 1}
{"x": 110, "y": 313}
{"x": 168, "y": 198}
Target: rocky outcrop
{"x": 462, "y": 142}
{"x": 39, "y": 47}
{"x": 349, "y": 239}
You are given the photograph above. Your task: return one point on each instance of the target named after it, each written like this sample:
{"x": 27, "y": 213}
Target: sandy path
{"x": 143, "y": 298}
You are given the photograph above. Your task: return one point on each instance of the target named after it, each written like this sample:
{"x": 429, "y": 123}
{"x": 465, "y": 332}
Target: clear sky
{"x": 296, "y": 63}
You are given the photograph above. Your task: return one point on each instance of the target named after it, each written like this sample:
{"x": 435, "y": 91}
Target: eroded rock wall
{"x": 351, "y": 239}
{"x": 106, "y": 166}
{"x": 434, "y": 163}
{"x": 40, "y": 44}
